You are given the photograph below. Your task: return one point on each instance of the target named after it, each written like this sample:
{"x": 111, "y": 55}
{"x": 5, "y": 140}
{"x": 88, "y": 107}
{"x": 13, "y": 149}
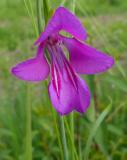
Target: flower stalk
{"x": 72, "y": 114}
{"x": 28, "y": 150}
{"x": 72, "y": 133}
{"x": 63, "y": 136}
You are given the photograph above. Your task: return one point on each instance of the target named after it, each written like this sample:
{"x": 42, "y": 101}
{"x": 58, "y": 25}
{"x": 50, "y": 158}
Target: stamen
{"x": 70, "y": 72}
{"x": 56, "y": 79}
{"x": 60, "y": 64}
{"x": 71, "y": 75}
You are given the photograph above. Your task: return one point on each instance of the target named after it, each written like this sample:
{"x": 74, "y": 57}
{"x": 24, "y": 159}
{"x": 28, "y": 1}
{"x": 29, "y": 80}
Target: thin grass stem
{"x": 39, "y": 17}
{"x": 62, "y": 3}
{"x": 72, "y": 132}
{"x": 28, "y": 149}
{"x": 46, "y": 10}
{"x": 73, "y": 6}
{"x": 31, "y": 15}
{"x": 58, "y": 134}
{"x": 63, "y": 137}
{"x": 70, "y": 136}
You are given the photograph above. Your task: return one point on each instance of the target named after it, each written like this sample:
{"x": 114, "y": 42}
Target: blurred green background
{"x": 106, "y": 24}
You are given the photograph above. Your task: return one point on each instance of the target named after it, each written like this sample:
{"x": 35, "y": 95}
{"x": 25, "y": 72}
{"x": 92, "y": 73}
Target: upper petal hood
{"x": 63, "y": 20}
{"x": 86, "y": 59}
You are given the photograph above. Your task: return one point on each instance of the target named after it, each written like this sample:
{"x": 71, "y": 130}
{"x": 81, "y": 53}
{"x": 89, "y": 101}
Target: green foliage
{"x": 104, "y": 131}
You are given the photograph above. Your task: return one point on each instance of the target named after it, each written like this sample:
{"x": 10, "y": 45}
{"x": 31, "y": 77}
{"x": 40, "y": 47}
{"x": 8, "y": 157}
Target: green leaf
{"x": 99, "y": 139}
{"x": 94, "y": 129}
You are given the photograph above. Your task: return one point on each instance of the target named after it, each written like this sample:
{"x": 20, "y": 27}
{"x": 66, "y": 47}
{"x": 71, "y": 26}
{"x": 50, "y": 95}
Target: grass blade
{"x": 93, "y": 131}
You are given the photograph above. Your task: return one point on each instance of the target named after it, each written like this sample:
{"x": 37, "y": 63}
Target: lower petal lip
{"x": 69, "y": 99}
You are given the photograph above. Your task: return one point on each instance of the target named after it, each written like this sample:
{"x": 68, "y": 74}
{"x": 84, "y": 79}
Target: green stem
{"x": 62, "y": 3}
{"x": 72, "y": 114}
{"x": 58, "y": 133}
{"x": 31, "y": 14}
{"x": 72, "y": 124}
{"x": 28, "y": 154}
{"x": 78, "y": 127}
{"x": 91, "y": 114}
{"x": 72, "y": 133}
{"x": 64, "y": 153}
{"x": 46, "y": 10}
{"x": 73, "y": 6}
{"x": 63, "y": 136}
{"x": 70, "y": 136}
{"x": 91, "y": 84}
{"x": 39, "y": 17}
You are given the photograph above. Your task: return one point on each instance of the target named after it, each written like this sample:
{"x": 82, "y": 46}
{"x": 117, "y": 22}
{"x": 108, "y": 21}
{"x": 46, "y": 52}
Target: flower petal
{"x": 86, "y": 59}
{"x": 34, "y": 69}
{"x": 63, "y": 20}
{"x": 83, "y": 96}
{"x": 69, "y": 98}
{"x": 66, "y": 102}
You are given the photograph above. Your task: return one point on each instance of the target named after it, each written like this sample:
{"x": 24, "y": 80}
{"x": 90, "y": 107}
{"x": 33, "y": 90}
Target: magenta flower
{"x": 67, "y": 90}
